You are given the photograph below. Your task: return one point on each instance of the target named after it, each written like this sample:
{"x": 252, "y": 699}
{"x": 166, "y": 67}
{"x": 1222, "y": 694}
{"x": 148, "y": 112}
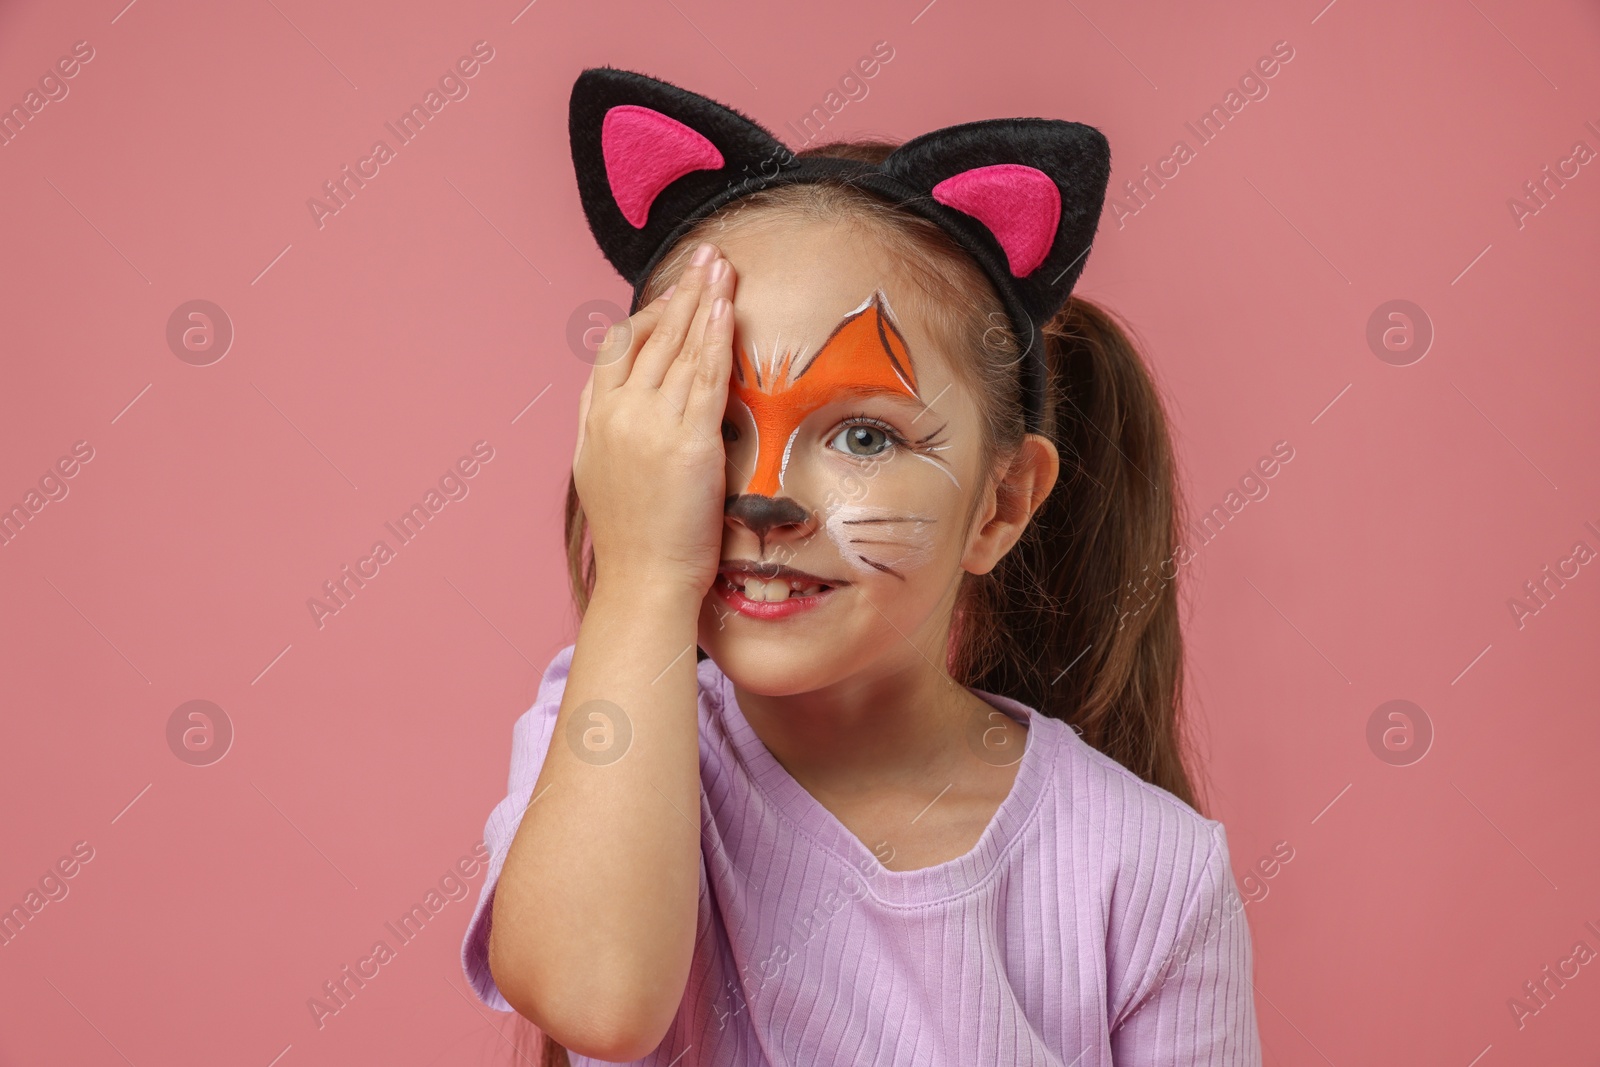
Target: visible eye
{"x": 730, "y": 432}
{"x": 865, "y": 437}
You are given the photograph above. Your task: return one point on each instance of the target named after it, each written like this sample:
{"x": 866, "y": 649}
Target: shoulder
{"x": 1162, "y": 869}
{"x": 1145, "y": 826}
{"x": 1155, "y": 860}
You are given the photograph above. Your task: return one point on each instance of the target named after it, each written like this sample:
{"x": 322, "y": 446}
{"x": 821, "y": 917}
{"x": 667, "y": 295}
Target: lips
{"x": 776, "y": 600}
{"x": 771, "y": 590}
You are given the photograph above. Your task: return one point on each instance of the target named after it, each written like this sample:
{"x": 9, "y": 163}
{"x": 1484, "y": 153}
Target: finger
{"x": 614, "y": 359}
{"x": 666, "y": 339}
{"x": 708, "y": 396}
{"x": 680, "y": 375}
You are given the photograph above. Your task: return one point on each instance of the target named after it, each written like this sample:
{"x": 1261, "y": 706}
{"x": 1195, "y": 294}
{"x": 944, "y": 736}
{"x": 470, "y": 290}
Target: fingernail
{"x": 703, "y": 254}
{"x": 719, "y": 308}
{"x": 718, "y": 269}
{"x": 669, "y": 291}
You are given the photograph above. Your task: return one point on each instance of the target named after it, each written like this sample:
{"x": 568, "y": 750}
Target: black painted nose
{"x": 763, "y": 514}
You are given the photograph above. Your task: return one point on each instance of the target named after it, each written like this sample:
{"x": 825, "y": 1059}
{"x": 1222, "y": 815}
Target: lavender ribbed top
{"x": 1096, "y": 921}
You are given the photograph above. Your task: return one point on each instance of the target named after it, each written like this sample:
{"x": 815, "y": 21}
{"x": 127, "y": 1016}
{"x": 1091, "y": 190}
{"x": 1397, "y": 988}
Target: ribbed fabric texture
{"x": 1096, "y": 922}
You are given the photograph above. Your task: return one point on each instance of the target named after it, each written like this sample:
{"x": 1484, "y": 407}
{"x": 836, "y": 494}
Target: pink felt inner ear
{"x": 1020, "y": 205}
{"x": 646, "y": 151}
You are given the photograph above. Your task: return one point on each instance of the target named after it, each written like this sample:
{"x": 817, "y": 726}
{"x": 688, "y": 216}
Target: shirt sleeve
{"x": 530, "y": 741}
{"x": 1199, "y": 1010}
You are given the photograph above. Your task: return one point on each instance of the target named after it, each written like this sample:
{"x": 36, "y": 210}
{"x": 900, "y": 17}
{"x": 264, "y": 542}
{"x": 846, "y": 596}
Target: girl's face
{"x": 853, "y": 460}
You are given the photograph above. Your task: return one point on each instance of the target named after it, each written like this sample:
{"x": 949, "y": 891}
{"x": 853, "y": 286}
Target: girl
{"x": 917, "y": 796}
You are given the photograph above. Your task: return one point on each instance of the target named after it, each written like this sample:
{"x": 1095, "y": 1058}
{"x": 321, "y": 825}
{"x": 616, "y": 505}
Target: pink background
{"x": 369, "y": 354}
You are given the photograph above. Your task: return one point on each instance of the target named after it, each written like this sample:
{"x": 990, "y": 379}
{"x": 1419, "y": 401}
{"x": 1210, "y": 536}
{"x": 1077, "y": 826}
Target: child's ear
{"x": 1012, "y": 498}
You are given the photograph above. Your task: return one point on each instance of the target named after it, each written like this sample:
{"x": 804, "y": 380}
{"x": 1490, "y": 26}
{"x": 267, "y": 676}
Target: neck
{"x": 895, "y": 726}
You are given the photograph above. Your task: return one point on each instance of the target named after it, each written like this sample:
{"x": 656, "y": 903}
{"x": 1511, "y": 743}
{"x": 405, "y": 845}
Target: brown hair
{"x": 1067, "y": 622}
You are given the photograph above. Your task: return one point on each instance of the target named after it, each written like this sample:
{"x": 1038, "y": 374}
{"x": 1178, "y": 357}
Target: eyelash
{"x": 894, "y": 436}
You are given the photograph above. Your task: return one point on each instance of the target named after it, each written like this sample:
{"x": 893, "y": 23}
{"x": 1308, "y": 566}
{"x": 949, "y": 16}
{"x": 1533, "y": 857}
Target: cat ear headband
{"x": 1022, "y": 195}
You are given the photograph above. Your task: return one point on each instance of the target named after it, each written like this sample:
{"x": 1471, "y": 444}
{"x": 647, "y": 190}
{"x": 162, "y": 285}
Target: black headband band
{"x": 1021, "y": 195}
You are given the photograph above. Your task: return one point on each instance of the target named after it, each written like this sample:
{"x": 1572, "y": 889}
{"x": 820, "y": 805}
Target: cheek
{"x": 893, "y": 521}
{"x": 888, "y": 537}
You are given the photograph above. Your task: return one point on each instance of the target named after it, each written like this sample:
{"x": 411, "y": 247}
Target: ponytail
{"x": 1080, "y": 619}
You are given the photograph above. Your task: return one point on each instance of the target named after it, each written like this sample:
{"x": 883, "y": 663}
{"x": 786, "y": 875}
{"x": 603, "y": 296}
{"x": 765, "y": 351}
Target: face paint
{"x": 882, "y": 539}
{"x": 865, "y": 355}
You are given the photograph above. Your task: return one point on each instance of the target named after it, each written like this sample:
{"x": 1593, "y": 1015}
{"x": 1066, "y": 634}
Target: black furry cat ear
{"x": 1025, "y": 194}
{"x": 650, "y": 156}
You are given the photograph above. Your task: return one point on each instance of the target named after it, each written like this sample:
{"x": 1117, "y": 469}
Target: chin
{"x": 772, "y": 658}
{"x": 769, "y": 666}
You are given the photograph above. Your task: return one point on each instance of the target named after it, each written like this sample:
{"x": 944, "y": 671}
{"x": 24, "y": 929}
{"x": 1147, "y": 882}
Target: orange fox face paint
{"x": 884, "y": 528}
{"x": 865, "y": 354}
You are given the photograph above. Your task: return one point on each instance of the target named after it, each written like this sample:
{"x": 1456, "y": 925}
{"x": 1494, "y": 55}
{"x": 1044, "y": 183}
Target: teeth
{"x": 776, "y": 590}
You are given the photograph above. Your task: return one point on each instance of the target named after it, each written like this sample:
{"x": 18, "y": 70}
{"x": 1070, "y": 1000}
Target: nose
{"x": 762, "y": 514}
